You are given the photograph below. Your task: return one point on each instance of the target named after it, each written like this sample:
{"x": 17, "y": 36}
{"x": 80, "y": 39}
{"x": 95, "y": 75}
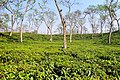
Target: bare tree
{"x": 29, "y": 3}
{"x": 29, "y": 19}
{"x": 81, "y": 22}
{"x": 91, "y": 11}
{"x": 77, "y": 21}
{"x": 63, "y": 23}
{"x": 12, "y": 8}
{"x": 4, "y": 19}
{"x": 70, "y": 22}
{"x": 112, "y": 7}
{"x": 37, "y": 19}
{"x": 85, "y": 30}
{"x": 59, "y": 29}
{"x": 76, "y": 18}
{"x": 103, "y": 15}
{"x": 69, "y": 4}
{"x": 49, "y": 20}
{"x": 43, "y": 10}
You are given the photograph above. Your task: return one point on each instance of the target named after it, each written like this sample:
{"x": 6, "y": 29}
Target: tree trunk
{"x": 64, "y": 34}
{"x": 81, "y": 31}
{"x": 77, "y": 30}
{"x": 118, "y": 25}
{"x": 21, "y": 30}
{"x": 12, "y": 23}
{"x": 17, "y": 30}
{"x": 70, "y": 33}
{"x": 21, "y": 26}
{"x": 64, "y": 25}
{"x": 92, "y": 31}
{"x": 51, "y": 34}
{"x": 70, "y": 24}
{"x": 48, "y": 31}
{"x": 37, "y": 29}
{"x": 29, "y": 28}
{"x": 102, "y": 29}
{"x": 110, "y": 33}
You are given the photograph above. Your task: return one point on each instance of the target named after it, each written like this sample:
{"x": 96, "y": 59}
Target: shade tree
{"x": 69, "y": 4}
{"x": 91, "y": 12}
{"x": 103, "y": 17}
{"x": 63, "y": 24}
{"x": 112, "y": 8}
{"x": 4, "y": 19}
{"x": 13, "y": 7}
{"x": 28, "y": 7}
{"x": 49, "y": 20}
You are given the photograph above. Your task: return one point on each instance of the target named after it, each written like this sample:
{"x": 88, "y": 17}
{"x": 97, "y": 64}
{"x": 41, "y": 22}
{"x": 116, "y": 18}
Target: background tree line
{"x": 23, "y": 16}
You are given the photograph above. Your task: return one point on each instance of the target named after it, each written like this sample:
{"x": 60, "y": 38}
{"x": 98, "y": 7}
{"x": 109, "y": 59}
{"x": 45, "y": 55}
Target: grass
{"x": 38, "y": 59}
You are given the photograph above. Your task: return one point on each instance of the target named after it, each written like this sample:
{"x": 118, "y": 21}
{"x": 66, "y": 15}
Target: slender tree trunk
{"x": 37, "y": 29}
{"x": 48, "y": 31}
{"x": 12, "y": 23}
{"x": 92, "y": 31}
{"x": 21, "y": 30}
{"x": 63, "y": 23}
{"x": 118, "y": 25}
{"x": 29, "y": 28}
{"x": 70, "y": 24}
{"x": 81, "y": 31}
{"x": 21, "y": 26}
{"x": 77, "y": 30}
{"x": 64, "y": 34}
{"x": 70, "y": 32}
{"x": 51, "y": 34}
{"x": 48, "y": 28}
{"x": 102, "y": 29}
{"x": 17, "y": 27}
{"x": 110, "y": 33}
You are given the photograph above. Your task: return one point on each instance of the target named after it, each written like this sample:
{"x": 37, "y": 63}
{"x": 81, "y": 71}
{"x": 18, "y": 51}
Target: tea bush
{"x": 38, "y": 59}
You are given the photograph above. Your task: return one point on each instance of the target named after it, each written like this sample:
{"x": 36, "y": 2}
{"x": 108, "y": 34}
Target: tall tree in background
{"x": 81, "y": 22}
{"x": 29, "y": 20}
{"x": 47, "y": 16}
{"x": 103, "y": 15}
{"x": 4, "y": 19}
{"x": 28, "y": 6}
{"x": 43, "y": 10}
{"x": 112, "y": 7}
{"x": 70, "y": 17}
{"x": 37, "y": 19}
{"x": 69, "y": 4}
{"x": 63, "y": 23}
{"x": 91, "y": 11}
{"x": 11, "y": 6}
{"x": 77, "y": 15}
{"x": 59, "y": 29}
{"x": 85, "y": 29}
{"x": 49, "y": 20}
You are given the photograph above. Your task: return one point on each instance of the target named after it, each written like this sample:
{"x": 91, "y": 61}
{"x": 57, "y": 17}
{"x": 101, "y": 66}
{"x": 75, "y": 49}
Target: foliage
{"x": 4, "y": 19}
{"x": 38, "y": 59}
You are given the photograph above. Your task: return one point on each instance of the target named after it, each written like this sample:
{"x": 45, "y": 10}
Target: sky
{"x": 83, "y": 4}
